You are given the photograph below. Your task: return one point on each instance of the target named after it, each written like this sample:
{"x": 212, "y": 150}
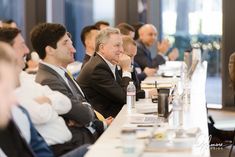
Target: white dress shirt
{"x": 61, "y": 71}
{"x": 22, "y": 122}
{"x": 113, "y": 68}
{"x": 45, "y": 116}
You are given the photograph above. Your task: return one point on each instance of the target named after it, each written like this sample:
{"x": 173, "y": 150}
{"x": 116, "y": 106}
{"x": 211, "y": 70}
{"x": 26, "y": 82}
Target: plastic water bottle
{"x": 177, "y": 111}
{"x": 184, "y": 84}
{"x": 130, "y": 97}
{"x": 128, "y": 139}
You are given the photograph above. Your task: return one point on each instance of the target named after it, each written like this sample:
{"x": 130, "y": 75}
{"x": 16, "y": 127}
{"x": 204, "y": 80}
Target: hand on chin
{"x": 114, "y": 62}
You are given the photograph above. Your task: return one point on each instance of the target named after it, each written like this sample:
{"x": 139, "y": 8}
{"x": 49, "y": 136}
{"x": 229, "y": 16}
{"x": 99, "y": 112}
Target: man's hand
{"x": 162, "y": 47}
{"x": 109, "y": 120}
{"x": 149, "y": 71}
{"x": 174, "y": 54}
{"x": 42, "y": 100}
{"x": 125, "y": 62}
{"x": 152, "y": 92}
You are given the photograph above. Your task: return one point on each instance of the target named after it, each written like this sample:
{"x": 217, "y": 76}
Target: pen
{"x": 145, "y": 125}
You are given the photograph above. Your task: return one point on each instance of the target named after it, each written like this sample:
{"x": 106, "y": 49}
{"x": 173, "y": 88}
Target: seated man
{"x": 88, "y": 36}
{"x": 54, "y": 46}
{"x": 104, "y": 88}
{"x": 130, "y": 49}
{"x": 147, "y": 38}
{"x": 18, "y": 137}
{"x": 128, "y": 30}
{"x": 44, "y": 110}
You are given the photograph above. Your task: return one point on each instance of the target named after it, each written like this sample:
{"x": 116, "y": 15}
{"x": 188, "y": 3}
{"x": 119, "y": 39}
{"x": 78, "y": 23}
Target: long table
{"x": 195, "y": 115}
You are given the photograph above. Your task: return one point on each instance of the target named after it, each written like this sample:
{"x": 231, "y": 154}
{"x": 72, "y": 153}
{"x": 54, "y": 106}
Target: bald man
{"x": 143, "y": 61}
{"x": 147, "y": 37}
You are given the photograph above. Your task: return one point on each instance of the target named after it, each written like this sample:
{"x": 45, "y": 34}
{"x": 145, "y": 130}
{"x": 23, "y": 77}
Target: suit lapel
{"x": 53, "y": 72}
{"x": 101, "y": 60}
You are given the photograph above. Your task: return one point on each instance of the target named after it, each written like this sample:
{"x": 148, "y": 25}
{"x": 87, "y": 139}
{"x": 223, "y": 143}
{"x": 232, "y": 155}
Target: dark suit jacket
{"x": 158, "y": 60}
{"x": 82, "y": 113}
{"x": 143, "y": 56}
{"x": 12, "y": 143}
{"x": 85, "y": 59}
{"x": 141, "y": 76}
{"x": 140, "y": 94}
{"x": 105, "y": 94}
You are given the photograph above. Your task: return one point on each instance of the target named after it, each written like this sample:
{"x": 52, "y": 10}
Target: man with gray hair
{"x": 99, "y": 79}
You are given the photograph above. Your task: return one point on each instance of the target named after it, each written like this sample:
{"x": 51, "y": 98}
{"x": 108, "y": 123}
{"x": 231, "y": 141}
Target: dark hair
{"x": 8, "y": 21}
{"x": 125, "y": 28}
{"x": 4, "y": 54}
{"x": 137, "y": 27}
{"x": 85, "y": 31}
{"x": 46, "y": 34}
{"x": 98, "y": 23}
{"x": 8, "y": 34}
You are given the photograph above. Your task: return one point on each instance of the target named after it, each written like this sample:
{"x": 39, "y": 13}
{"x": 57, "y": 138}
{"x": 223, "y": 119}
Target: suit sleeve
{"x": 104, "y": 83}
{"x": 140, "y": 59}
{"x": 81, "y": 112}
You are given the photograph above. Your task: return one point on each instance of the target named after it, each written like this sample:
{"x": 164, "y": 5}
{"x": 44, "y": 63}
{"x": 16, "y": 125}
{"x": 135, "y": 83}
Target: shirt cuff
{"x": 90, "y": 128}
{"x": 105, "y": 125}
{"x": 146, "y": 93}
{"x": 126, "y": 74}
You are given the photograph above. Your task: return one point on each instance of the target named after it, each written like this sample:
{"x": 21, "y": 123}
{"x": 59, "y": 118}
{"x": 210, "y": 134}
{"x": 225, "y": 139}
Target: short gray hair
{"x": 104, "y": 35}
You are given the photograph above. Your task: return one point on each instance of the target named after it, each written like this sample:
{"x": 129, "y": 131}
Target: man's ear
{"x": 49, "y": 50}
{"x": 87, "y": 43}
{"x": 101, "y": 47}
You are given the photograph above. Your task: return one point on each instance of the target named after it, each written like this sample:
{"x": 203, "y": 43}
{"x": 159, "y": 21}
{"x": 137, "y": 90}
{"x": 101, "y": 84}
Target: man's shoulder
{"x": 45, "y": 73}
{"x": 94, "y": 62}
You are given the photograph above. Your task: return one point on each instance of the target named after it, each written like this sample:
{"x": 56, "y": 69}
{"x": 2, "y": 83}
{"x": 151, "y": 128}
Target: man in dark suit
{"x": 99, "y": 79}
{"x": 143, "y": 60}
{"x": 88, "y": 36}
{"x": 55, "y": 48}
{"x": 130, "y": 49}
{"x": 147, "y": 38}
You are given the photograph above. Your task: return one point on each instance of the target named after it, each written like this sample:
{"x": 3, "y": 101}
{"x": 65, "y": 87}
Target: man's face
{"x": 7, "y": 86}
{"x": 132, "y": 34}
{"x": 149, "y": 35}
{"x": 91, "y": 39}
{"x": 112, "y": 48}
{"x": 21, "y": 50}
{"x": 64, "y": 53}
{"x": 131, "y": 50}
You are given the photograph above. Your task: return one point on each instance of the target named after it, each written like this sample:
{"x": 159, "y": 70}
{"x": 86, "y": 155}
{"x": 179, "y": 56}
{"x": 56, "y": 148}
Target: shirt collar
{"x": 111, "y": 66}
{"x": 59, "y": 70}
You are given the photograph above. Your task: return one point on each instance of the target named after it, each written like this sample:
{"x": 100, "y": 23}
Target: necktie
{"x": 75, "y": 88}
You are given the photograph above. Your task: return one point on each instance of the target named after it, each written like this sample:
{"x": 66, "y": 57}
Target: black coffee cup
{"x": 163, "y": 105}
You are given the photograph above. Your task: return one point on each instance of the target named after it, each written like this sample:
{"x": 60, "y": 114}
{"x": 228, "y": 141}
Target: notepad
{"x": 143, "y": 119}
{"x": 149, "y": 108}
